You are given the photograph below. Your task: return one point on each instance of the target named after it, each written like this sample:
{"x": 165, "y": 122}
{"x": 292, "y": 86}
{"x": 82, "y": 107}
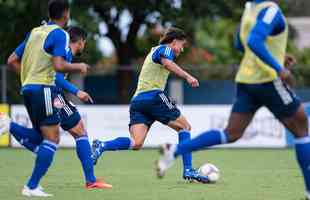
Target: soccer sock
{"x": 83, "y": 151}
{"x": 27, "y": 137}
{"x": 302, "y": 148}
{"x": 206, "y": 139}
{"x": 187, "y": 157}
{"x": 120, "y": 143}
{"x": 43, "y": 161}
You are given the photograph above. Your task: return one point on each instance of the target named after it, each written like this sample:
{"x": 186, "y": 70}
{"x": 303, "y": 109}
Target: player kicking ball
{"x": 150, "y": 104}
{"x": 262, "y": 80}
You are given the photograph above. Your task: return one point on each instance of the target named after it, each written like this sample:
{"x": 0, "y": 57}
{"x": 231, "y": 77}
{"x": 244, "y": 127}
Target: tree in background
{"x": 16, "y": 20}
{"x": 145, "y": 15}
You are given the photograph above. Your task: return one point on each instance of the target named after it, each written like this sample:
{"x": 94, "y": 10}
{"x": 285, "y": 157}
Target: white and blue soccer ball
{"x": 211, "y": 171}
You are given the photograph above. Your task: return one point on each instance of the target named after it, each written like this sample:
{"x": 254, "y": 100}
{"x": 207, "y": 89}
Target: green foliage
{"x": 217, "y": 37}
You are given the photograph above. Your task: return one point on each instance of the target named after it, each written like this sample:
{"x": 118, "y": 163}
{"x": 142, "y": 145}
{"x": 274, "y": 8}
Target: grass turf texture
{"x": 246, "y": 175}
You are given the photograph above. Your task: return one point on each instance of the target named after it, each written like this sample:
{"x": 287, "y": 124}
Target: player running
{"x": 261, "y": 81}
{"x": 70, "y": 117}
{"x": 150, "y": 104}
{"x": 45, "y": 50}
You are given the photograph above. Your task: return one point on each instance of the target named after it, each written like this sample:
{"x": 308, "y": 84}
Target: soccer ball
{"x": 211, "y": 171}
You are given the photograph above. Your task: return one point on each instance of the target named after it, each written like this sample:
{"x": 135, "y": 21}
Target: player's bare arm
{"x": 14, "y": 63}
{"x": 174, "y": 68}
{"x": 61, "y": 65}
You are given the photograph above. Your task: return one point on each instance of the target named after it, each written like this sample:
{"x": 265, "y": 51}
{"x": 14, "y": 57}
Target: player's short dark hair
{"x": 56, "y": 8}
{"x": 172, "y": 34}
{"x": 76, "y": 33}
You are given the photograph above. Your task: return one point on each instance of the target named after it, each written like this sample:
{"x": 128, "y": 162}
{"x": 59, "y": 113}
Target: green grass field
{"x": 246, "y": 175}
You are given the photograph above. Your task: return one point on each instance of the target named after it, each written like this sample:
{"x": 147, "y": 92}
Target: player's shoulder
{"x": 164, "y": 49}
{"x": 269, "y": 12}
{"x": 59, "y": 33}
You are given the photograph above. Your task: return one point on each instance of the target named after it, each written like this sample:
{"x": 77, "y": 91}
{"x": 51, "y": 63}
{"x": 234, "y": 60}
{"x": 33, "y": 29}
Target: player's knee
{"x": 187, "y": 127}
{"x": 78, "y": 130}
{"x": 54, "y": 139}
{"x": 233, "y": 135}
{"x": 184, "y": 126}
{"x": 137, "y": 145}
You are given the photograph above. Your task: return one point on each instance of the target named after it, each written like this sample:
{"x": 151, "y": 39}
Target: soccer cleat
{"x": 4, "y": 123}
{"x": 193, "y": 175}
{"x": 97, "y": 151}
{"x": 37, "y": 192}
{"x": 166, "y": 159}
{"x": 98, "y": 185}
{"x": 307, "y": 196}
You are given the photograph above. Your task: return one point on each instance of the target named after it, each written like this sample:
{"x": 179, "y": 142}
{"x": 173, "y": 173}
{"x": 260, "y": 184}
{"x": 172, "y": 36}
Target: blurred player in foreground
{"x": 150, "y": 104}
{"x": 262, "y": 80}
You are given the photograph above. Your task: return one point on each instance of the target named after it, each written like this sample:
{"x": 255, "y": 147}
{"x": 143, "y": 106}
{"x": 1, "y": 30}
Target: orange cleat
{"x": 98, "y": 185}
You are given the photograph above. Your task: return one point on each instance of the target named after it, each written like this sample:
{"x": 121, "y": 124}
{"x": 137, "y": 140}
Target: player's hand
{"x": 83, "y": 68}
{"x": 193, "y": 82}
{"x": 84, "y": 96}
{"x": 289, "y": 62}
{"x": 287, "y": 77}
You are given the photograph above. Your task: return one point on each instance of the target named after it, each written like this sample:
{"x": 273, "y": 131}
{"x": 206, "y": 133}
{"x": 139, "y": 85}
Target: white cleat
{"x": 37, "y": 192}
{"x": 4, "y": 123}
{"x": 307, "y": 196}
{"x": 166, "y": 159}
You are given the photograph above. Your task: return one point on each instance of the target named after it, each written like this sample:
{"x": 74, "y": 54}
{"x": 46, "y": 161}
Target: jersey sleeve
{"x": 64, "y": 84}
{"x": 269, "y": 20}
{"x": 163, "y": 52}
{"x": 19, "y": 51}
{"x": 57, "y": 43}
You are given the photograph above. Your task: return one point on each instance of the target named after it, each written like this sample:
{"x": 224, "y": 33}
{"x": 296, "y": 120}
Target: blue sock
{"x": 120, "y": 143}
{"x": 302, "y": 148}
{"x": 43, "y": 161}
{"x": 27, "y": 137}
{"x": 83, "y": 151}
{"x": 206, "y": 139}
{"x": 187, "y": 157}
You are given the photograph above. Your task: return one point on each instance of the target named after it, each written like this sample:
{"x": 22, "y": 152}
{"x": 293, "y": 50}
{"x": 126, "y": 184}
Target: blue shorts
{"x": 41, "y": 104}
{"x": 69, "y": 115}
{"x": 158, "y": 108}
{"x": 275, "y": 95}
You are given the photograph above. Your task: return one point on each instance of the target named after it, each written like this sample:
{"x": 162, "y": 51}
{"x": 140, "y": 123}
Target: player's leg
{"x": 71, "y": 121}
{"x": 182, "y": 126}
{"x": 30, "y": 138}
{"x": 44, "y": 115}
{"x": 138, "y": 128}
{"x": 83, "y": 150}
{"x": 242, "y": 113}
{"x": 288, "y": 109}
{"x": 138, "y": 134}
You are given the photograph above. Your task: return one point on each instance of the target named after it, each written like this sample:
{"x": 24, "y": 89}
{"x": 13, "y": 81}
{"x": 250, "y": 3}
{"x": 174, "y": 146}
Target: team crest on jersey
{"x": 57, "y": 103}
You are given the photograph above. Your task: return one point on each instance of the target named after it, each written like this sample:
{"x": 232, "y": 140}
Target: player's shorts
{"x": 69, "y": 114}
{"x": 158, "y": 108}
{"x": 42, "y": 105}
{"x": 275, "y": 95}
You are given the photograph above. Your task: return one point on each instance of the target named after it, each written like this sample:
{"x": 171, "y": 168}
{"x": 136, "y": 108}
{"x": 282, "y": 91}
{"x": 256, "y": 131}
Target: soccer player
{"x": 70, "y": 117}
{"x": 261, "y": 81}
{"x": 150, "y": 104}
{"x": 45, "y": 49}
